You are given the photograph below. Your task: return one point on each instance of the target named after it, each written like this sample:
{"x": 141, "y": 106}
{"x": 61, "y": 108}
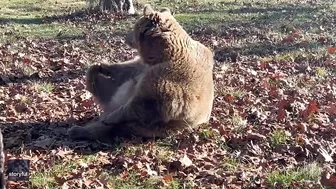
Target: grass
{"x": 240, "y": 22}
{"x": 222, "y": 145}
{"x": 25, "y": 100}
{"x": 309, "y": 172}
{"x": 25, "y": 18}
{"x": 27, "y": 70}
{"x": 34, "y": 9}
{"x": 90, "y": 158}
{"x": 47, "y": 177}
{"x": 278, "y": 137}
{"x": 174, "y": 185}
{"x": 207, "y": 133}
{"x": 312, "y": 50}
{"x": 230, "y": 164}
{"x": 321, "y": 72}
{"x": 45, "y": 87}
{"x": 210, "y": 21}
{"x": 51, "y": 30}
{"x": 238, "y": 93}
{"x": 133, "y": 181}
{"x": 164, "y": 153}
{"x": 238, "y": 122}
{"x": 43, "y": 179}
{"x": 233, "y": 92}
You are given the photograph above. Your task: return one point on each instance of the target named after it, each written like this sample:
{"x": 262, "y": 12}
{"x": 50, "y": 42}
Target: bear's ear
{"x": 165, "y": 10}
{"x": 147, "y": 10}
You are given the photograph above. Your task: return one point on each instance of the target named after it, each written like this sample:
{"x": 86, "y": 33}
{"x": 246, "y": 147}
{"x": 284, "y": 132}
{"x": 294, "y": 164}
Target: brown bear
{"x": 168, "y": 88}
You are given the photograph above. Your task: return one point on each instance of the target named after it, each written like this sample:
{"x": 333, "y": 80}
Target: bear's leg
{"x": 104, "y": 80}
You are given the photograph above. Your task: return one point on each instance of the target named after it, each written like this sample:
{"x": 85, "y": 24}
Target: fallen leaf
{"x": 328, "y": 179}
{"x": 185, "y": 161}
{"x": 302, "y": 127}
{"x": 167, "y": 179}
{"x": 124, "y": 175}
{"x": 60, "y": 179}
{"x": 331, "y": 109}
{"x": 262, "y": 65}
{"x": 229, "y": 98}
{"x": 150, "y": 172}
{"x": 288, "y": 39}
{"x": 311, "y": 109}
{"x": 331, "y": 50}
{"x": 281, "y": 114}
{"x": 65, "y": 186}
{"x": 325, "y": 154}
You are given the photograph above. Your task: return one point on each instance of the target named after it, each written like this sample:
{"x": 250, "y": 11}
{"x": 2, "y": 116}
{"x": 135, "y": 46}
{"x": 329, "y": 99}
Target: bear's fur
{"x": 170, "y": 86}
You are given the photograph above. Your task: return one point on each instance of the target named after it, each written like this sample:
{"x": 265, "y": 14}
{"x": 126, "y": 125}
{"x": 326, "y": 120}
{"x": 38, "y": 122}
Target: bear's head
{"x": 157, "y": 36}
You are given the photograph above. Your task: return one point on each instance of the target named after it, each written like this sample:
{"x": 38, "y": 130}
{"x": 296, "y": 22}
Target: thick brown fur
{"x": 171, "y": 90}
{"x": 104, "y": 80}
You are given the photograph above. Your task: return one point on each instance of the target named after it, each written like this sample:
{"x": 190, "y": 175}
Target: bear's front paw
{"x": 77, "y": 132}
{"x": 107, "y": 119}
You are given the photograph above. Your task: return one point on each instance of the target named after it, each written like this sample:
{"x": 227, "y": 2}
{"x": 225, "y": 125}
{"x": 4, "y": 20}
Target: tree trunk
{"x": 121, "y": 6}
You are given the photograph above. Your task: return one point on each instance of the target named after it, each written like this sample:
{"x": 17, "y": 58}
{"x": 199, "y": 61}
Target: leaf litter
{"x": 268, "y": 114}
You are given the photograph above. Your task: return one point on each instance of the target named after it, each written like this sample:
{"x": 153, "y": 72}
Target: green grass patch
{"x": 222, "y": 145}
{"x": 230, "y": 164}
{"x": 163, "y": 152}
{"x": 49, "y": 30}
{"x": 26, "y": 69}
{"x": 52, "y": 30}
{"x": 45, "y": 87}
{"x": 208, "y": 133}
{"x": 236, "y": 93}
{"x": 199, "y": 20}
{"x": 178, "y": 6}
{"x": 239, "y": 123}
{"x": 312, "y": 51}
{"x": 24, "y": 9}
{"x": 213, "y": 20}
{"x": 321, "y": 72}
{"x": 130, "y": 180}
{"x": 278, "y": 137}
{"x": 24, "y": 18}
{"x": 90, "y": 158}
{"x": 310, "y": 172}
{"x": 25, "y": 100}
{"x": 45, "y": 178}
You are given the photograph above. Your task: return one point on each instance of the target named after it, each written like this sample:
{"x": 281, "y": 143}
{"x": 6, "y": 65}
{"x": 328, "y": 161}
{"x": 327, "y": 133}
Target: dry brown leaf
{"x": 167, "y": 179}
{"x": 331, "y": 50}
{"x": 185, "y": 161}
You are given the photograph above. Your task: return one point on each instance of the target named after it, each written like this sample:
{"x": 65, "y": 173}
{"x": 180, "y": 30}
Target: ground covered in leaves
{"x": 274, "y": 117}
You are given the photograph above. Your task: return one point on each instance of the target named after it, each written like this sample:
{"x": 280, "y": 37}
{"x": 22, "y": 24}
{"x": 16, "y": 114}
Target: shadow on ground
{"x": 47, "y": 136}
{"x": 267, "y": 17}
{"x": 25, "y": 21}
{"x": 56, "y": 77}
{"x": 263, "y": 49}
{"x": 262, "y": 30}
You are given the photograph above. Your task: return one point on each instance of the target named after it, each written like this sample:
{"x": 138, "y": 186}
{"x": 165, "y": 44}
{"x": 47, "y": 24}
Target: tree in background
{"x": 121, "y": 6}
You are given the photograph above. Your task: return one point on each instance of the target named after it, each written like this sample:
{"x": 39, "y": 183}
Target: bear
{"x": 169, "y": 87}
